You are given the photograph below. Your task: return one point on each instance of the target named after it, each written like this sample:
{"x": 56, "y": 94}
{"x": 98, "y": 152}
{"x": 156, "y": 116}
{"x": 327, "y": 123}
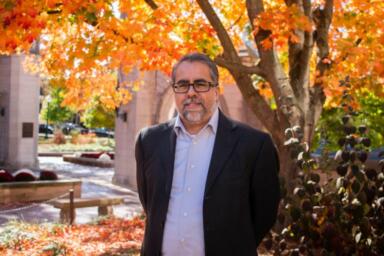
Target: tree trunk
{"x": 288, "y": 167}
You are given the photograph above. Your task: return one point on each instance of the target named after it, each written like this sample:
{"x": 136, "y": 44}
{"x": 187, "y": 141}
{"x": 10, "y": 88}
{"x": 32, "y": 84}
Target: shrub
{"x": 74, "y": 136}
{"x": 86, "y": 138}
{"x": 78, "y": 138}
{"x": 48, "y": 175}
{"x": 24, "y": 175}
{"x": 5, "y": 176}
{"x": 59, "y": 137}
{"x": 341, "y": 215}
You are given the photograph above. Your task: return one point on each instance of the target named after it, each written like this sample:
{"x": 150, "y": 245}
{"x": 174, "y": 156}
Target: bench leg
{"x": 64, "y": 216}
{"x": 105, "y": 210}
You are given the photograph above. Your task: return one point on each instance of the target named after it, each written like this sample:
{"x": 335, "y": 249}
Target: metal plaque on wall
{"x": 27, "y": 131}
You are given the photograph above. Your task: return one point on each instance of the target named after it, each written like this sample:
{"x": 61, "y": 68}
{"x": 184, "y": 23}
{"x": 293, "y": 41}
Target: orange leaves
{"x": 282, "y": 22}
{"x": 356, "y": 46}
{"x": 108, "y": 237}
{"x": 378, "y": 67}
{"x": 20, "y": 24}
{"x": 265, "y": 90}
{"x": 267, "y": 43}
{"x": 84, "y": 43}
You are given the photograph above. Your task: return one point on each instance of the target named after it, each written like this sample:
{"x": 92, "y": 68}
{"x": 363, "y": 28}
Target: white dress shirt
{"x": 184, "y": 230}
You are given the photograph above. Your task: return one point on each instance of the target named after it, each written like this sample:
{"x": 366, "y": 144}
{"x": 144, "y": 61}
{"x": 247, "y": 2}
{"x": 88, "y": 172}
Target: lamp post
{"x": 48, "y": 99}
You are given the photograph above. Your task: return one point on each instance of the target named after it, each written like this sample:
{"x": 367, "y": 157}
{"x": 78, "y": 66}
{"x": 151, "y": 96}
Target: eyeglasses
{"x": 198, "y": 85}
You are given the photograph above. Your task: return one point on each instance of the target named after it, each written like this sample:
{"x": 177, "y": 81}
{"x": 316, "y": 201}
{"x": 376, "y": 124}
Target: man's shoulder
{"x": 157, "y": 130}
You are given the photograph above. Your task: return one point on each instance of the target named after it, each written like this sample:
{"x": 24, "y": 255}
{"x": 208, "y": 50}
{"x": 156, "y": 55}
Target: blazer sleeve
{"x": 265, "y": 189}
{"x": 140, "y": 176}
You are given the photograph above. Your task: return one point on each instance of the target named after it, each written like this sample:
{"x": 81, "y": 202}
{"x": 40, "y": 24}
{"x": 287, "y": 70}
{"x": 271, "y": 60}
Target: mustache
{"x": 192, "y": 100}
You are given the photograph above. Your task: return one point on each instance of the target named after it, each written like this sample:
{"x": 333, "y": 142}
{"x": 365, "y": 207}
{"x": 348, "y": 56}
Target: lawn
{"x": 81, "y": 144}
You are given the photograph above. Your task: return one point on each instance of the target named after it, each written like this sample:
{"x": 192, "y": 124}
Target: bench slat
{"x": 88, "y": 202}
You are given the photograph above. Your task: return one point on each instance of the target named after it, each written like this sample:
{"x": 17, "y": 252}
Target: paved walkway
{"x": 96, "y": 182}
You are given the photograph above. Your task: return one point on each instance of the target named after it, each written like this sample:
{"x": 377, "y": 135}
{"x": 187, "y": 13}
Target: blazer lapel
{"x": 224, "y": 145}
{"x": 169, "y": 157}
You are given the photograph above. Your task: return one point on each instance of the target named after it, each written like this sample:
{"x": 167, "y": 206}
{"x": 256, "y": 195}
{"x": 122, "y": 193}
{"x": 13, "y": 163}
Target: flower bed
{"x": 112, "y": 236}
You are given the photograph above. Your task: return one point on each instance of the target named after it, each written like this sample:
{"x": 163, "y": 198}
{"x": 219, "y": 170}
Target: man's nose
{"x": 191, "y": 90}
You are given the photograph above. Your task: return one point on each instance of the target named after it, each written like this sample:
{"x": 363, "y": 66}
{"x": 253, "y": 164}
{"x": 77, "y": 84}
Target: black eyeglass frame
{"x": 194, "y": 85}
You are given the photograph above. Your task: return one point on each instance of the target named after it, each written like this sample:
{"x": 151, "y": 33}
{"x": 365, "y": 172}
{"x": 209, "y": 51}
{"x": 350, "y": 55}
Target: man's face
{"x": 195, "y": 108}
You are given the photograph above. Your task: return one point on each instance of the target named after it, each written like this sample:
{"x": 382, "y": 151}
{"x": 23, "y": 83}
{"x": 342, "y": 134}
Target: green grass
{"x": 100, "y": 144}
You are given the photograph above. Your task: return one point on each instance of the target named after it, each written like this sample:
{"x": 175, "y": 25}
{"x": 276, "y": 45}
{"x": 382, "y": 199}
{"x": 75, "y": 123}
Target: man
{"x": 208, "y": 185}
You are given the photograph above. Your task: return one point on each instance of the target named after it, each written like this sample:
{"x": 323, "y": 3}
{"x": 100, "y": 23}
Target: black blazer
{"x": 241, "y": 193}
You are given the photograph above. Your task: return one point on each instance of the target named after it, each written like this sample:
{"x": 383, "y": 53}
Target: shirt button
{"x": 188, "y": 189}
{"x": 185, "y": 214}
{"x": 194, "y": 142}
{"x": 182, "y": 240}
{"x": 192, "y": 166}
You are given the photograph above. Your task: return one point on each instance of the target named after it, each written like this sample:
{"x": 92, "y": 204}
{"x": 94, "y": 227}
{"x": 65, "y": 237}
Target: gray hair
{"x": 198, "y": 57}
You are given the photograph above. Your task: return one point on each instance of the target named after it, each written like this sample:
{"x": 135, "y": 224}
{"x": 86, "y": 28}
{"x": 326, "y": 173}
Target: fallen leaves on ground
{"x": 110, "y": 236}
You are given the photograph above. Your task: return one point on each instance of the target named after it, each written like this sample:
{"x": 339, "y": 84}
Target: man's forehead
{"x": 195, "y": 67}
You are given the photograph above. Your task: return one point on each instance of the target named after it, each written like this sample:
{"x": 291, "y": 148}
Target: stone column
{"x": 19, "y": 110}
{"x": 140, "y": 112}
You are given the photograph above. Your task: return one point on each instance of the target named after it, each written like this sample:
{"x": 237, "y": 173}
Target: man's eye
{"x": 201, "y": 83}
{"x": 182, "y": 84}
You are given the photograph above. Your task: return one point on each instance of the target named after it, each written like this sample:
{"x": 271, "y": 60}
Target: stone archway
{"x": 167, "y": 108}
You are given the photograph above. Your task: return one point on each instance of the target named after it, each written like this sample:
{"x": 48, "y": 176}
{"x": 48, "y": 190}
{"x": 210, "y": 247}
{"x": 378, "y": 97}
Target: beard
{"x": 196, "y": 116}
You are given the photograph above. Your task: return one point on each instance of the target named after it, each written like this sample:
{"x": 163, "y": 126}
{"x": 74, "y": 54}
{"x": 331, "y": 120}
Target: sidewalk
{"x": 96, "y": 182}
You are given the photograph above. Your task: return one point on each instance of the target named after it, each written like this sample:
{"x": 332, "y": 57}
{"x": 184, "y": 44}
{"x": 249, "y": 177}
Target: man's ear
{"x": 217, "y": 92}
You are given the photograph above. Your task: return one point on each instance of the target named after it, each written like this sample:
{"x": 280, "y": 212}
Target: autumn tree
{"x": 298, "y": 50}
{"x": 97, "y": 116}
{"x": 53, "y": 111}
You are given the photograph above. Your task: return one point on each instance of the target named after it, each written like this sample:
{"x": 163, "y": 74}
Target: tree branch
{"x": 152, "y": 4}
{"x": 229, "y": 49}
{"x": 259, "y": 106}
{"x": 273, "y": 69}
{"x": 242, "y": 68}
{"x": 299, "y": 58}
{"x": 235, "y": 22}
{"x": 323, "y": 19}
{"x": 231, "y": 60}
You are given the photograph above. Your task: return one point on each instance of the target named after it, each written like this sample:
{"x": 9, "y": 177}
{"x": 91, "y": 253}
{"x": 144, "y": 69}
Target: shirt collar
{"x": 212, "y": 124}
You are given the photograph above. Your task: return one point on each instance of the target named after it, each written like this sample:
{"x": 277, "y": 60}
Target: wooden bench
{"x": 39, "y": 190}
{"x": 104, "y": 205}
